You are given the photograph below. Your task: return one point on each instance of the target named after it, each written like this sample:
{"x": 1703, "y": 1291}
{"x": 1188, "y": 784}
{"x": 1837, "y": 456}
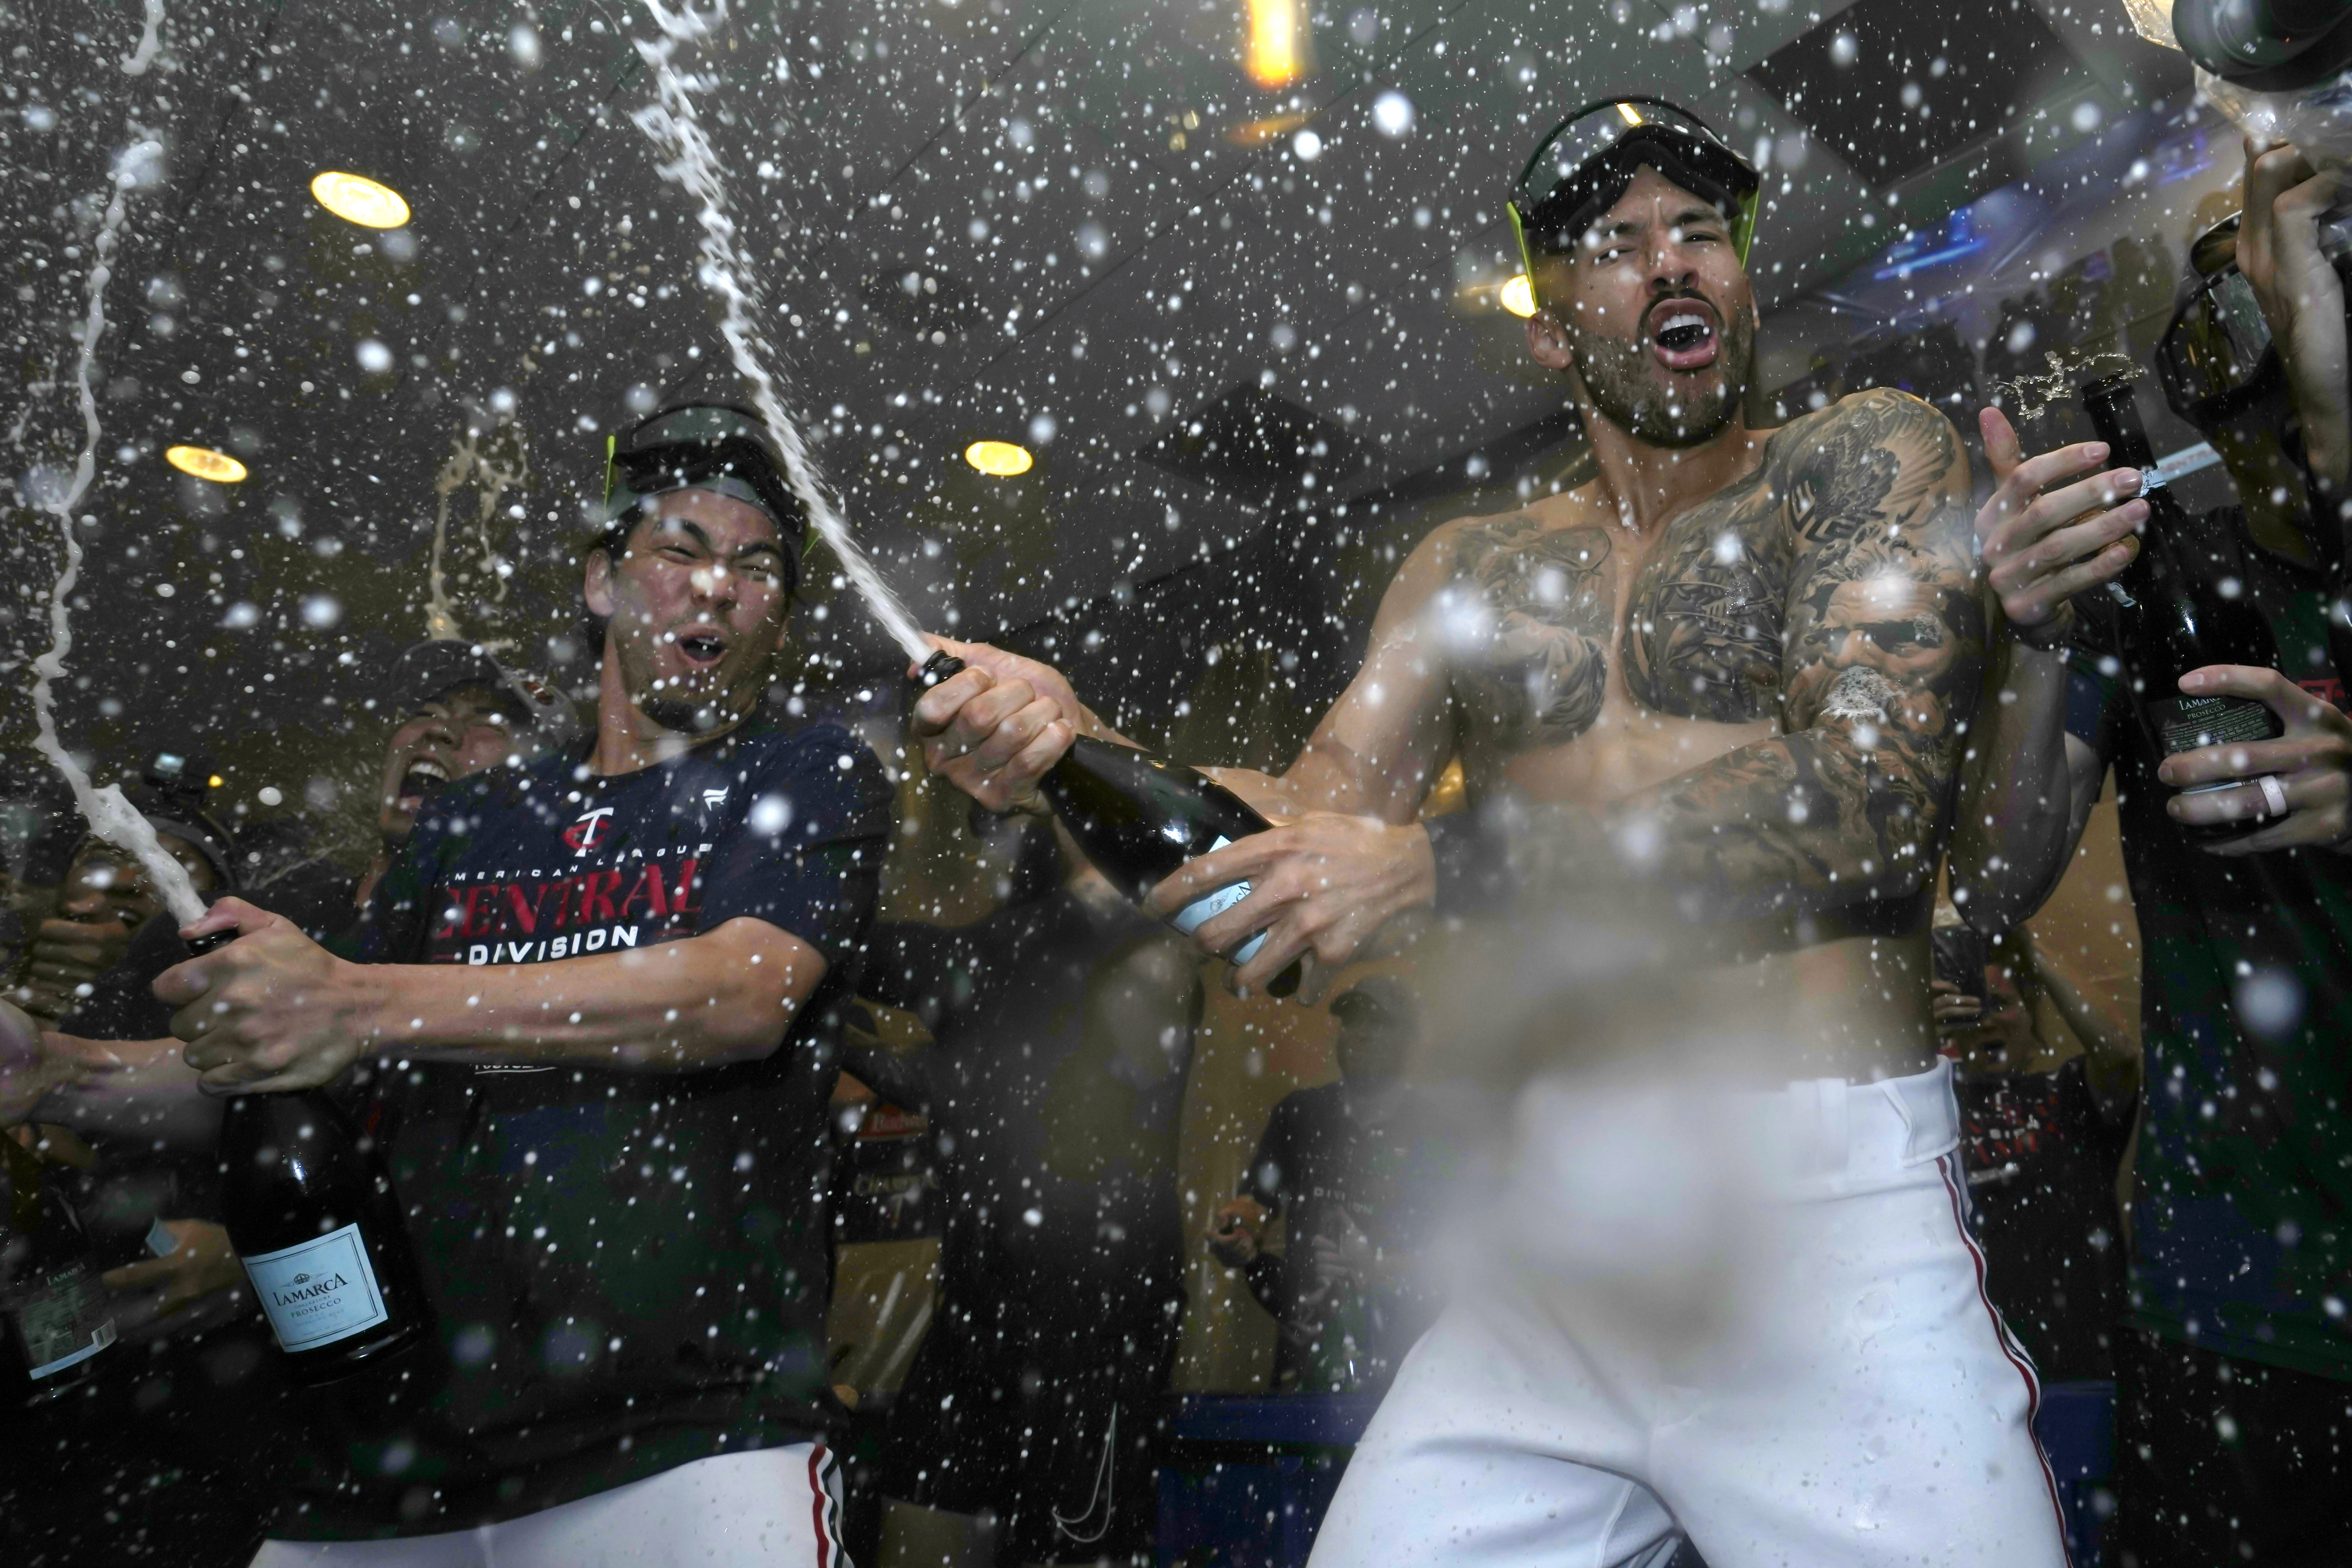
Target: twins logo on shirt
{"x": 584, "y": 834}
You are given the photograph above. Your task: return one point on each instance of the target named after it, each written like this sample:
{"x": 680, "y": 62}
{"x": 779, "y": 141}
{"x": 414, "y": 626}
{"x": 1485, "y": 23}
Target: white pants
{"x": 772, "y": 1507}
{"x": 1760, "y": 1323}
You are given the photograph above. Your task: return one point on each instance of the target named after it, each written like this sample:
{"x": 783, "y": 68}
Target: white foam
{"x": 672, "y": 123}
{"x": 111, "y": 816}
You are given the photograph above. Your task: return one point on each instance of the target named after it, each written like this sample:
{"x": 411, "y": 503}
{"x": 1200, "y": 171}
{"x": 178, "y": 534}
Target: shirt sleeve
{"x": 806, "y": 857}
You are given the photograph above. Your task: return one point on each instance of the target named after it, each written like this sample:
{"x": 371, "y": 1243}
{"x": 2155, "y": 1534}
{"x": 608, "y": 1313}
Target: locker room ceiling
{"x": 975, "y": 216}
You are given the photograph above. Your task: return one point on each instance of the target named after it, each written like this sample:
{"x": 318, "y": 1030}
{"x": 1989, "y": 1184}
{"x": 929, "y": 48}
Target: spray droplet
{"x": 1393, "y": 113}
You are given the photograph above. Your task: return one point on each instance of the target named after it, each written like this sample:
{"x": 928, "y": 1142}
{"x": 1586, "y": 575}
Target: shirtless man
{"x": 1729, "y": 676}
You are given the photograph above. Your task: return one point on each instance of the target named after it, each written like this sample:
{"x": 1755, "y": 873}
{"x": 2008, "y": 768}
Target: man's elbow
{"x": 749, "y": 1026}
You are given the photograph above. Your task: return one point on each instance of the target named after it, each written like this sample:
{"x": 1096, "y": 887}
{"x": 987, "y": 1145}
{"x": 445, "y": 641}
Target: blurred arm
{"x": 133, "y": 1088}
{"x": 2027, "y": 791}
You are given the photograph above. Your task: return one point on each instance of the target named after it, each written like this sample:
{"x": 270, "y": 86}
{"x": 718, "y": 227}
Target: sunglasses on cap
{"x": 2216, "y": 360}
{"x": 701, "y": 446}
{"x": 1585, "y": 165}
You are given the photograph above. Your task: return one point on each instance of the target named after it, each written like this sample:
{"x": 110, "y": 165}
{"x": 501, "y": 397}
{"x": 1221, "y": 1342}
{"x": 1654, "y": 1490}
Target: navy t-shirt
{"x": 627, "y": 1270}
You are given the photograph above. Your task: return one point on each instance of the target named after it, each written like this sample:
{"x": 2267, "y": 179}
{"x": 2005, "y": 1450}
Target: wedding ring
{"x": 2274, "y": 794}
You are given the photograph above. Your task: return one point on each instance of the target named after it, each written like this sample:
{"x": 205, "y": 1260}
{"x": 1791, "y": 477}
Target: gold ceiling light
{"x": 999, "y": 459}
{"x": 205, "y": 463}
{"x": 356, "y": 199}
{"x": 1518, "y": 296}
{"x": 1277, "y": 45}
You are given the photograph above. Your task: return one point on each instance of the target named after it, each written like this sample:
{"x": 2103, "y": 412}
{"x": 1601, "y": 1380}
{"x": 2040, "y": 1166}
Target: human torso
{"x": 626, "y": 1269}
{"x": 2246, "y": 1007}
{"x": 1588, "y": 661}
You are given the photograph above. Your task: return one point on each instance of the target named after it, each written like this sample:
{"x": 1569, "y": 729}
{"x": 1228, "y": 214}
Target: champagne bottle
{"x": 314, "y": 1221}
{"x": 2183, "y": 607}
{"x": 58, "y": 1316}
{"x": 1138, "y": 818}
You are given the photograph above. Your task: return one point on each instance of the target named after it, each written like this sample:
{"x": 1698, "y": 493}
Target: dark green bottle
{"x": 2182, "y": 606}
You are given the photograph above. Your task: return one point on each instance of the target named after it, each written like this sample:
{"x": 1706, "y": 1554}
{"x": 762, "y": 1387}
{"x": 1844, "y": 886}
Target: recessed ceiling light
{"x": 357, "y": 199}
{"x": 205, "y": 463}
{"x": 1277, "y": 45}
{"x": 1518, "y": 296}
{"x": 1000, "y": 459}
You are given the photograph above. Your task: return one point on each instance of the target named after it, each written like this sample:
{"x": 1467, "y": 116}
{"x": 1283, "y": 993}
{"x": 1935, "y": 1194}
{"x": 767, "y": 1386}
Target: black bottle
{"x": 2179, "y": 612}
{"x": 314, "y": 1221}
{"x": 56, "y": 1317}
{"x": 1138, "y": 818}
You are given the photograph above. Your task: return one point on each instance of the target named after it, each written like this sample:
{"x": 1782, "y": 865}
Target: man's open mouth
{"x": 420, "y": 778}
{"x": 702, "y": 648}
{"x": 1683, "y": 334}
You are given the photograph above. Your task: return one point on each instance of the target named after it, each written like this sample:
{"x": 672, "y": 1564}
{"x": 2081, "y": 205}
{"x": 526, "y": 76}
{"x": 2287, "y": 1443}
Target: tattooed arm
{"x": 1884, "y": 646}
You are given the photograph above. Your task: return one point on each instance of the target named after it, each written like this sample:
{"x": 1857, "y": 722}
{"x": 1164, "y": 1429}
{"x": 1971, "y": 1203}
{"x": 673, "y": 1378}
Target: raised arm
{"x": 994, "y": 730}
{"x": 275, "y": 1010}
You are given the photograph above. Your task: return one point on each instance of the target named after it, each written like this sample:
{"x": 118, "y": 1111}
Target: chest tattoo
{"x": 1703, "y": 629}
{"x": 1527, "y": 620}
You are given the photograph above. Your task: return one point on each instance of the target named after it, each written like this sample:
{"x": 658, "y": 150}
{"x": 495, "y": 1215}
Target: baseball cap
{"x": 715, "y": 446}
{"x": 1377, "y": 999}
{"x": 544, "y": 719}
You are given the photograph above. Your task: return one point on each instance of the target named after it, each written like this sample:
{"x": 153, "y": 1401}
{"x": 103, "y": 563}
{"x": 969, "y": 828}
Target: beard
{"x": 1621, "y": 378}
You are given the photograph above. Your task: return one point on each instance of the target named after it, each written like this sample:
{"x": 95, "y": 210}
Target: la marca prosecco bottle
{"x": 313, "y": 1220}
{"x": 1139, "y": 817}
{"x": 55, "y": 1317}
{"x": 2182, "y": 607}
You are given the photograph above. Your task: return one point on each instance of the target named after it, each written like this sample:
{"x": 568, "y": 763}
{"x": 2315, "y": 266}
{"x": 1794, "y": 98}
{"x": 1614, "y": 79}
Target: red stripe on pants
{"x": 1944, "y": 1165}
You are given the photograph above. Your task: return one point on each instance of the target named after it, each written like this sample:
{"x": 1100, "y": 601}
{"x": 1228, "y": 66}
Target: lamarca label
{"x": 319, "y": 1290}
{"x": 2186, "y": 723}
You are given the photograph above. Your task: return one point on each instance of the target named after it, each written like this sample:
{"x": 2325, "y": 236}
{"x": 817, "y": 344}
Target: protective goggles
{"x": 1584, "y": 166}
{"x": 710, "y": 447}
{"x": 2216, "y": 360}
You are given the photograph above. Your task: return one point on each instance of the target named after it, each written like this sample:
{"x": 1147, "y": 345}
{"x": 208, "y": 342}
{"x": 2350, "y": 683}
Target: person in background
{"x": 2043, "y": 1139}
{"x": 1354, "y": 1175}
{"x": 1028, "y": 1429}
{"x": 461, "y": 711}
{"x": 107, "y": 897}
{"x": 2234, "y": 1380}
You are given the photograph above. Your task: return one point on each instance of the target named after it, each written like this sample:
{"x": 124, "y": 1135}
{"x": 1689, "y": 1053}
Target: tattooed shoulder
{"x": 1880, "y": 457}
